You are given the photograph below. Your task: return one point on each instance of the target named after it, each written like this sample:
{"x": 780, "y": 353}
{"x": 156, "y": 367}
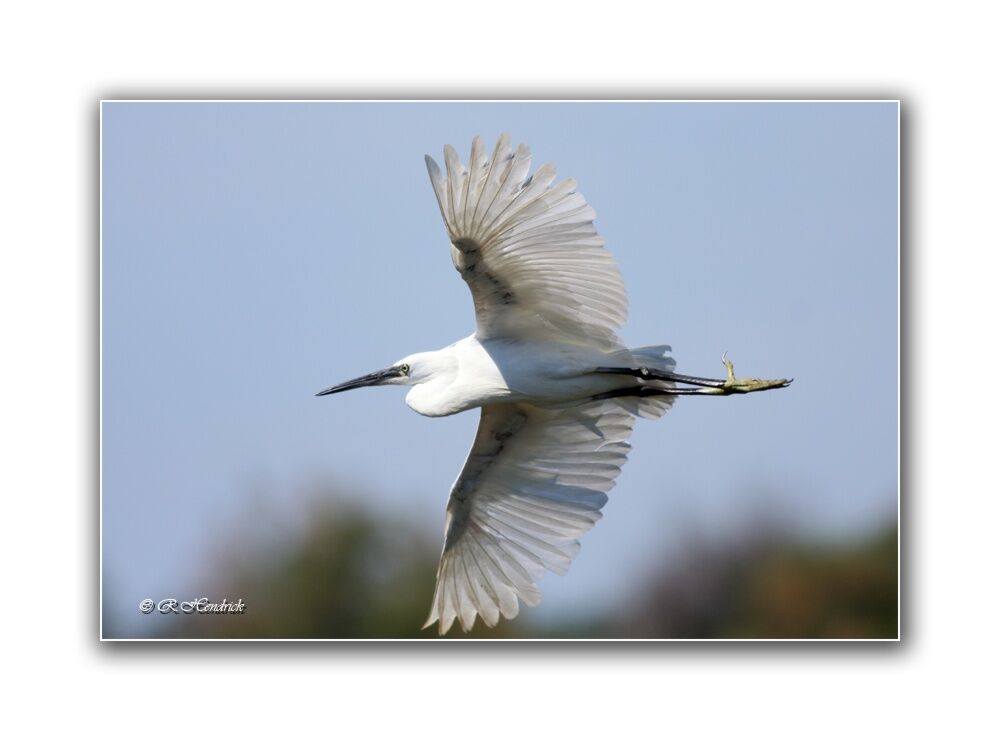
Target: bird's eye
{"x": 404, "y": 369}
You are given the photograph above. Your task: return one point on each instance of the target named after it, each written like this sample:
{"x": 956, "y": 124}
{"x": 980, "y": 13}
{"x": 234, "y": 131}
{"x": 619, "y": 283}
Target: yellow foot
{"x": 734, "y": 385}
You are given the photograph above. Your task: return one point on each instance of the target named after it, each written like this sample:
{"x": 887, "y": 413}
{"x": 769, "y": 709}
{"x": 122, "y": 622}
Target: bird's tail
{"x": 654, "y": 357}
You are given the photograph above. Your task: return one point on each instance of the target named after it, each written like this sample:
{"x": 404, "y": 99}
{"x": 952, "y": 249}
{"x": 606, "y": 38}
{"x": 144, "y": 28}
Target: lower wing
{"x": 534, "y": 482}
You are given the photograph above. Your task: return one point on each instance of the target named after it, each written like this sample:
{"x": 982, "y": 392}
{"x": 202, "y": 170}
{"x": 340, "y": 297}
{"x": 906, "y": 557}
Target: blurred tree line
{"x": 774, "y": 586}
{"x": 350, "y": 572}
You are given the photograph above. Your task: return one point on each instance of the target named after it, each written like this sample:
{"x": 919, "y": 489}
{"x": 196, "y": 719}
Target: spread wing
{"x": 534, "y": 482}
{"x": 535, "y": 264}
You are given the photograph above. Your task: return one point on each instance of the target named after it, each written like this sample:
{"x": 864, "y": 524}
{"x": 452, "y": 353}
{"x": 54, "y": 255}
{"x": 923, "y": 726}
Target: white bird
{"x": 559, "y": 392}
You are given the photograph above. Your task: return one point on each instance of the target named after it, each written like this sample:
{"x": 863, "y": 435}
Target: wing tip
{"x": 433, "y": 168}
{"x": 434, "y": 618}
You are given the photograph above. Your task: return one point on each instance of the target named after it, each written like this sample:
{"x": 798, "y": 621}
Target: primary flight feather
{"x": 558, "y": 391}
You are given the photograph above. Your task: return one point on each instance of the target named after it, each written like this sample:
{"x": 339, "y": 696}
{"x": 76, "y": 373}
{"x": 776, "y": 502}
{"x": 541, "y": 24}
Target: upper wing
{"x": 534, "y": 482}
{"x": 528, "y": 250}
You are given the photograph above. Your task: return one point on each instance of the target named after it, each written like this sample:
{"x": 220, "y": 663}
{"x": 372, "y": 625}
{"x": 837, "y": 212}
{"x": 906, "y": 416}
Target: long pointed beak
{"x": 372, "y": 379}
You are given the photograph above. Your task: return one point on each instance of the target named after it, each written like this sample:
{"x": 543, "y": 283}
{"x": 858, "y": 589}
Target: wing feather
{"x": 528, "y": 249}
{"x": 534, "y": 482}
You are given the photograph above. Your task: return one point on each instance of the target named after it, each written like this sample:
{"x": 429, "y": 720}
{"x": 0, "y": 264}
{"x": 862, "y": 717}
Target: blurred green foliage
{"x": 348, "y": 571}
{"x": 822, "y": 592}
{"x": 771, "y": 586}
{"x": 351, "y": 573}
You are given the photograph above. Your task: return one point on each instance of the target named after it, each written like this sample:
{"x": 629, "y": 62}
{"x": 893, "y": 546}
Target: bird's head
{"x": 409, "y": 371}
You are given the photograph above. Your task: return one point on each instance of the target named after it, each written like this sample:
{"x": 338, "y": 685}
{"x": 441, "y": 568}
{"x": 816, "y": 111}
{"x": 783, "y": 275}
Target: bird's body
{"x": 472, "y": 373}
{"x": 558, "y": 390}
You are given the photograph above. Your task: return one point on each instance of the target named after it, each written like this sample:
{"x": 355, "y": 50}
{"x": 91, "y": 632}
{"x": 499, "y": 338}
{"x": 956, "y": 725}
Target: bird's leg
{"x": 708, "y": 386}
{"x": 734, "y": 385}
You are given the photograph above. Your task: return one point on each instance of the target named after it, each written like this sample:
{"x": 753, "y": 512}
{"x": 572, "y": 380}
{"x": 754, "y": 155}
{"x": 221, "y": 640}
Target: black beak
{"x": 372, "y": 379}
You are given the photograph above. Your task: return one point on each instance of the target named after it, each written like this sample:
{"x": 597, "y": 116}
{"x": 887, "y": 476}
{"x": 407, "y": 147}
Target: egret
{"x": 557, "y": 389}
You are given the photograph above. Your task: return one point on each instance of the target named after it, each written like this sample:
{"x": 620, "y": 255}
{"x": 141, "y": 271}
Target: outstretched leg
{"x": 707, "y": 386}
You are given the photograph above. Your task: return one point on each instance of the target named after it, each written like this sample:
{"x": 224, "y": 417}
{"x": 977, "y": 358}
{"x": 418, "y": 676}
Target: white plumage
{"x": 559, "y": 392}
{"x": 529, "y": 251}
{"x": 535, "y": 481}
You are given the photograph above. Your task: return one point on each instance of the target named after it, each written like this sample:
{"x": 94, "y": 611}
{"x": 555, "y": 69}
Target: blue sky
{"x": 253, "y": 254}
